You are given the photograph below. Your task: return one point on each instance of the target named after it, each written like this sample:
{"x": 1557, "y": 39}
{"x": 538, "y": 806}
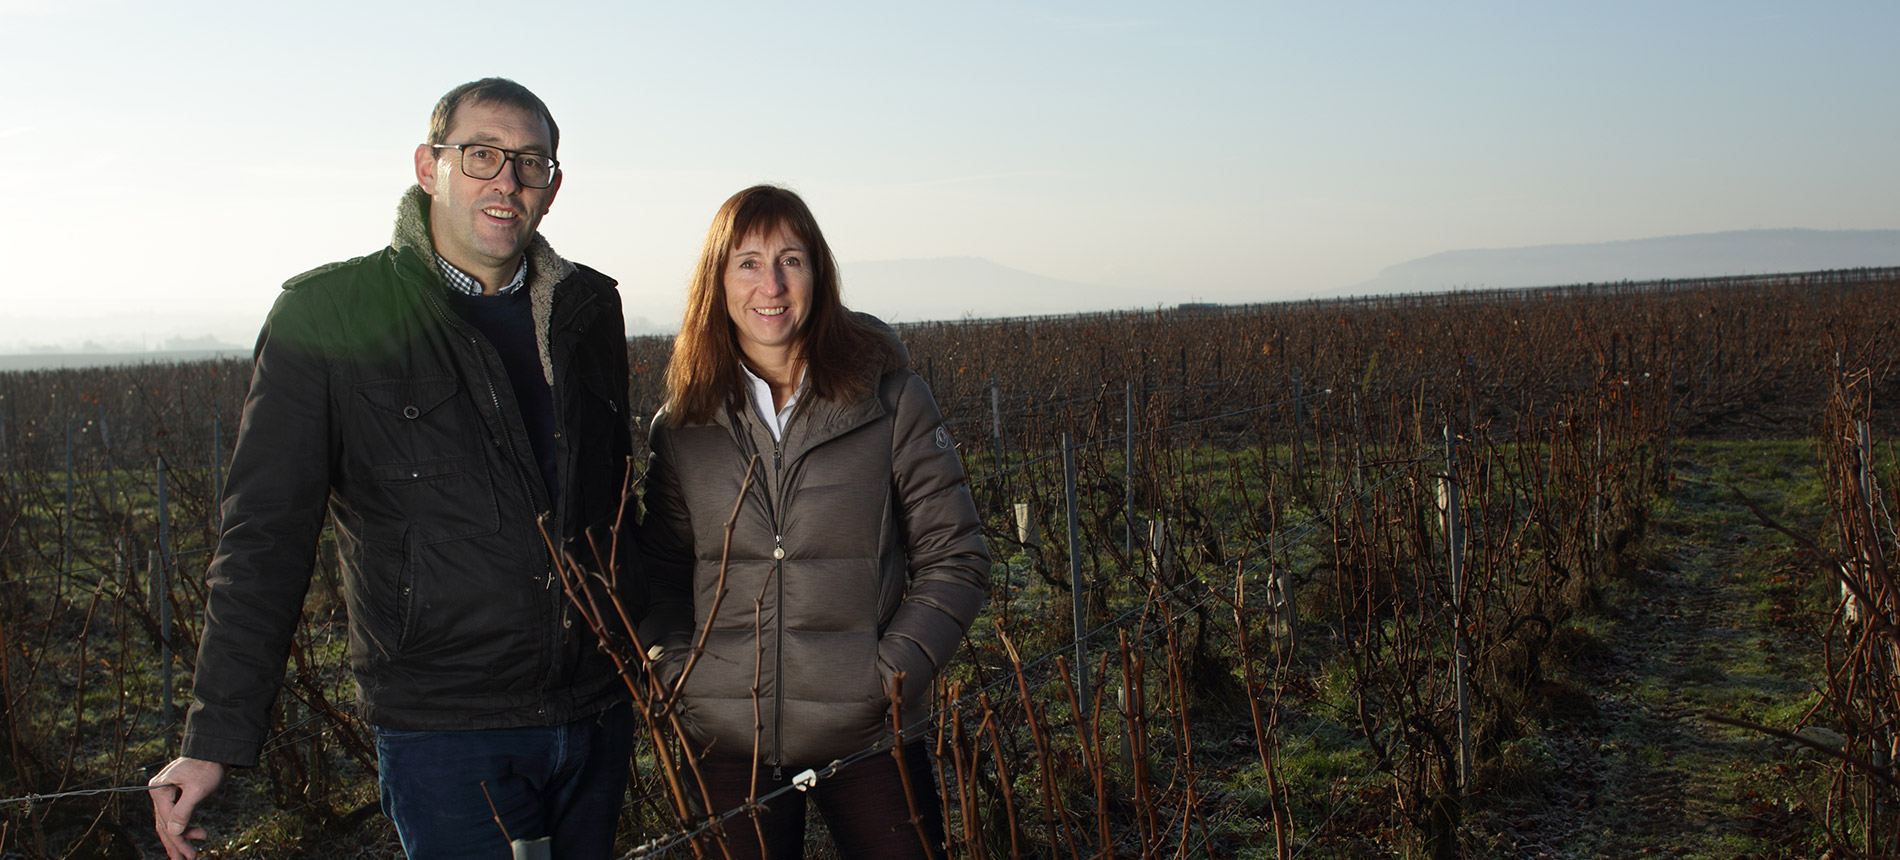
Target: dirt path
{"x": 1639, "y": 771}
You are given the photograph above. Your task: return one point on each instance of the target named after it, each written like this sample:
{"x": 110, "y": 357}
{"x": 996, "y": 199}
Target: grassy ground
{"x": 1718, "y": 616}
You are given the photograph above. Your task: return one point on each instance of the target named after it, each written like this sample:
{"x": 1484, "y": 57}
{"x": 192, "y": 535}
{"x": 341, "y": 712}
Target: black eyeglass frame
{"x": 508, "y": 156}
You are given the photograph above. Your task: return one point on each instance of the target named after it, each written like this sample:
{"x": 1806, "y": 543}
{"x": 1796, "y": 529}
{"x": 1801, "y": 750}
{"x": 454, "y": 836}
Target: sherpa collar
{"x": 546, "y": 269}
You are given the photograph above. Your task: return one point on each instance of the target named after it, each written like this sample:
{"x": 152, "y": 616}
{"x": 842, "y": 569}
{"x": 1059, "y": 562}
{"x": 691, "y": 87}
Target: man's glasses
{"x": 481, "y": 161}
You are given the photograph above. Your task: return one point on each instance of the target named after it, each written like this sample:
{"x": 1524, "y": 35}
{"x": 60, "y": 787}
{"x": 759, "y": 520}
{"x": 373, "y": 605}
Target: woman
{"x": 856, "y": 558}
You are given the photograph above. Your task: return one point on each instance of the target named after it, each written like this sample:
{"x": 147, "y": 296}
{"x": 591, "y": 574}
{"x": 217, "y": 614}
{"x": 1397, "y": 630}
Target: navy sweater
{"x": 508, "y": 323}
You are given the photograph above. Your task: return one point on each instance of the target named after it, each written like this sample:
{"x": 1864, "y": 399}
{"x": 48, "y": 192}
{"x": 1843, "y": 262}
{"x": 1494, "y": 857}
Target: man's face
{"x": 481, "y": 226}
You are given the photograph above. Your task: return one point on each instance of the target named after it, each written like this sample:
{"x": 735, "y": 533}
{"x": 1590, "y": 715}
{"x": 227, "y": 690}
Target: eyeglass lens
{"x": 485, "y": 162}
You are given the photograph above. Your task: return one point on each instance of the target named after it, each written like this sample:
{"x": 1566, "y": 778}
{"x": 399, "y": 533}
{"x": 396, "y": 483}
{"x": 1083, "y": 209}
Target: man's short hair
{"x": 499, "y": 91}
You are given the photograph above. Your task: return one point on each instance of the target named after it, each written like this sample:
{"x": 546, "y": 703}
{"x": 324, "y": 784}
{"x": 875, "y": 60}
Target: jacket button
{"x": 778, "y": 552}
{"x": 410, "y": 412}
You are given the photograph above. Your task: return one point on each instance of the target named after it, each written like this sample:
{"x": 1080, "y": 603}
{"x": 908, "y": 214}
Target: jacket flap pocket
{"x": 408, "y": 398}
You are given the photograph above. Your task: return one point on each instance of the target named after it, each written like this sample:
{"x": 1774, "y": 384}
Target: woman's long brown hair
{"x": 843, "y": 355}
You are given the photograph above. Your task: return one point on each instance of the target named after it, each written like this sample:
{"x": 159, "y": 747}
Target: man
{"x": 440, "y": 396}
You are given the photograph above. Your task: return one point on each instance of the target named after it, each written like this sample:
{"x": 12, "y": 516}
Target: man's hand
{"x": 193, "y": 779}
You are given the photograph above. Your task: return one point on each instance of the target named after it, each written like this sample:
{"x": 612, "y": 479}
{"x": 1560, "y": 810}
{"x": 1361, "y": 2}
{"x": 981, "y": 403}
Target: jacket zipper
{"x": 570, "y": 325}
{"x": 565, "y": 471}
{"x": 775, "y": 499}
{"x": 778, "y": 563}
{"x": 548, "y": 647}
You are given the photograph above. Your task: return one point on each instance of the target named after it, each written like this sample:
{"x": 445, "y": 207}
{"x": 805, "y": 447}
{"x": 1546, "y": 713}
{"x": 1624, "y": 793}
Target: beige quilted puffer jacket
{"x": 857, "y": 554}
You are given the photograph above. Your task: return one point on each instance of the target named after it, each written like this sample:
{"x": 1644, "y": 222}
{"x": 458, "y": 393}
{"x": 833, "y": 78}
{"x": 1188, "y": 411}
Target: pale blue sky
{"x": 175, "y": 162}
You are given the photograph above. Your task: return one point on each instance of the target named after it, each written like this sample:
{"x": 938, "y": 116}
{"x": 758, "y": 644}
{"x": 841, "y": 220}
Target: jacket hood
{"x": 546, "y": 269}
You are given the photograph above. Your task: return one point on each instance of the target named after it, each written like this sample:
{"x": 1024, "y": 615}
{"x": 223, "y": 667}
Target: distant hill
{"x": 951, "y": 288}
{"x": 1741, "y": 252}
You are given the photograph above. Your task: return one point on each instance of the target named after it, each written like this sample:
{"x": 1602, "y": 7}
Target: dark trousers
{"x": 864, "y": 806}
{"x": 566, "y": 782}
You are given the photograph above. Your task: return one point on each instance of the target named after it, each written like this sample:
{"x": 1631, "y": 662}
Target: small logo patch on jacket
{"x": 943, "y": 438}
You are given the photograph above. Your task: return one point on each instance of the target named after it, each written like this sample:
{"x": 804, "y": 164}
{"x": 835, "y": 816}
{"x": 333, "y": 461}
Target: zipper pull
{"x": 778, "y": 773}
{"x": 778, "y": 546}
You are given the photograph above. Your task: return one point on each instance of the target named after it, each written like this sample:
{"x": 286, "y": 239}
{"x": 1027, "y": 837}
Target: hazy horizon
{"x": 954, "y": 288}
{"x": 177, "y": 162}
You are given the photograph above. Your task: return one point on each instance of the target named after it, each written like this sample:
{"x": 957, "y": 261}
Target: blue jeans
{"x": 566, "y": 782}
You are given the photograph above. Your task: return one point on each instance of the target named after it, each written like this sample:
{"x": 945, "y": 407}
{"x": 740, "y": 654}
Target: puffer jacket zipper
{"x": 778, "y": 573}
{"x": 775, "y": 501}
{"x": 742, "y": 431}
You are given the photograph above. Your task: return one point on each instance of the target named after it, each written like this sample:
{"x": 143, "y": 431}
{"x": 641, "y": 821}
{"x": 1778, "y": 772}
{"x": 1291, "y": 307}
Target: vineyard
{"x": 1317, "y": 579}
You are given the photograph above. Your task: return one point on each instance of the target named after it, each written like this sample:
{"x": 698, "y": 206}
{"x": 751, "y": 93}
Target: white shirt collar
{"x": 762, "y": 399}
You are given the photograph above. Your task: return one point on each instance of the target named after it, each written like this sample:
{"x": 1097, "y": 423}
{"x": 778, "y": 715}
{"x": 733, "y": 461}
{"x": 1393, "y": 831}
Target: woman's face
{"x": 768, "y": 283}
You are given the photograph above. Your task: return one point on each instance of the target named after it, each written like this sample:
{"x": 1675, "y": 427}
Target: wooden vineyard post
{"x": 105, "y": 450}
{"x": 157, "y": 581}
{"x": 996, "y": 422}
{"x": 996, "y": 438}
{"x": 217, "y": 465}
{"x": 1078, "y": 590}
{"x": 66, "y": 522}
{"x": 1128, "y": 466}
{"x": 1596, "y": 503}
{"x": 1299, "y": 417}
{"x": 1461, "y": 658}
{"x": 161, "y": 588}
{"x": 1358, "y": 453}
{"x": 1881, "y": 744}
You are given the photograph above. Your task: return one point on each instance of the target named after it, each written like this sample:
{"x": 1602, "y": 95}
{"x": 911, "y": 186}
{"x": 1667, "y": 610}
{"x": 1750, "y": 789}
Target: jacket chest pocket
{"x": 425, "y": 450}
{"x": 413, "y": 420}
{"x": 409, "y": 405}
